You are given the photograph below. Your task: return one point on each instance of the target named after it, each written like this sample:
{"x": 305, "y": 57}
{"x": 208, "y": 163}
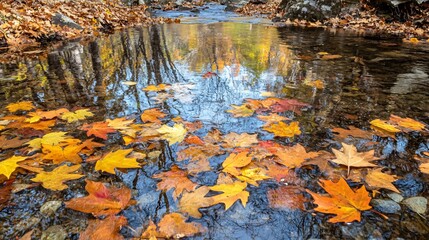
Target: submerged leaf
{"x": 55, "y": 179}
{"x": 116, "y": 159}
{"x": 107, "y": 228}
{"x": 241, "y": 111}
{"x": 174, "y": 225}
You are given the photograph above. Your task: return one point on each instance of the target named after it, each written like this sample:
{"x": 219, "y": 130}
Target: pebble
{"x": 385, "y": 206}
{"x": 54, "y": 233}
{"x": 50, "y": 207}
{"x": 417, "y": 204}
{"x": 396, "y": 197}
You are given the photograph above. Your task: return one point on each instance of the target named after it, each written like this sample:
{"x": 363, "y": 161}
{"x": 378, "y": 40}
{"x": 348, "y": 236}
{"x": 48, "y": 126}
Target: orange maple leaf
{"x": 24, "y": 106}
{"x": 59, "y": 154}
{"x": 101, "y": 200}
{"x": 174, "y": 225}
{"x": 282, "y": 129}
{"x": 98, "y": 129}
{"x": 152, "y": 115}
{"x": 104, "y": 229}
{"x": 175, "y": 178}
{"x": 343, "y": 201}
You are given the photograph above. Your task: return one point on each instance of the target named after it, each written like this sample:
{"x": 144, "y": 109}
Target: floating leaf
{"x": 76, "y": 115}
{"x": 107, "y": 228}
{"x": 101, "y": 200}
{"x": 174, "y": 134}
{"x": 282, "y": 129}
{"x": 98, "y": 129}
{"x": 379, "y": 124}
{"x": 174, "y": 225}
{"x": 284, "y": 105}
{"x": 241, "y": 111}
{"x": 292, "y": 156}
{"x": 377, "y": 179}
{"x": 350, "y": 157}
{"x": 272, "y": 118}
{"x": 175, "y": 178}
{"x": 152, "y": 115}
{"x": 234, "y": 161}
{"x": 407, "y": 123}
{"x": 116, "y": 159}
{"x": 424, "y": 168}
{"x": 352, "y": 131}
{"x": 251, "y": 175}
{"x": 8, "y": 166}
{"x": 230, "y": 194}
{"x": 120, "y": 123}
{"x": 20, "y": 106}
{"x": 345, "y": 203}
{"x": 55, "y": 179}
{"x": 233, "y": 140}
{"x": 191, "y": 202}
{"x": 39, "y": 115}
{"x": 151, "y": 232}
{"x": 59, "y": 154}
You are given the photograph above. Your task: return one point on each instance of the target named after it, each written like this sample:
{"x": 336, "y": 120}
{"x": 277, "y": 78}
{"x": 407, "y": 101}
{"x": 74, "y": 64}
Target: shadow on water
{"x": 371, "y": 80}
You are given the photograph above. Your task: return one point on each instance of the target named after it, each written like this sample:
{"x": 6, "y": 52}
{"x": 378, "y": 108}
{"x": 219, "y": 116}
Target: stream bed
{"x": 209, "y": 65}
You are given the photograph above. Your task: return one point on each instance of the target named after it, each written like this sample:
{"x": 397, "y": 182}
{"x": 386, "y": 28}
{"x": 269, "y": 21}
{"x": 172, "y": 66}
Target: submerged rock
{"x": 417, "y": 204}
{"x": 385, "y": 206}
{"x": 63, "y": 20}
{"x": 396, "y": 197}
{"x": 54, "y": 233}
{"x": 49, "y": 208}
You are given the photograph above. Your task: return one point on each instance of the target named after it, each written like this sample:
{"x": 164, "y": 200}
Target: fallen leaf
{"x": 284, "y": 105}
{"x": 292, "y": 156}
{"x": 152, "y": 115}
{"x": 76, "y": 115}
{"x": 343, "y": 202}
{"x": 129, "y": 83}
{"x": 116, "y": 159}
{"x": 107, "y": 228}
{"x": 272, "y": 118}
{"x": 352, "y": 131}
{"x": 174, "y": 225}
{"x": 9, "y": 165}
{"x": 156, "y": 88}
{"x": 101, "y": 200}
{"x": 59, "y": 154}
{"x": 151, "y": 232}
{"x": 282, "y": 129}
{"x": 350, "y": 157}
{"x": 244, "y": 140}
{"x": 230, "y": 194}
{"x": 194, "y": 140}
{"x": 55, "y": 179}
{"x": 120, "y": 123}
{"x": 175, "y": 179}
{"x": 241, "y": 111}
{"x": 190, "y": 203}
{"x": 20, "y": 106}
{"x": 407, "y": 123}
{"x": 331, "y": 57}
{"x": 252, "y": 175}
{"x": 98, "y": 129}
{"x": 384, "y": 126}
{"x": 234, "y": 161}
{"x": 377, "y": 179}
{"x": 40, "y": 115}
{"x": 174, "y": 134}
{"x": 289, "y": 197}
{"x": 15, "y": 142}
{"x": 424, "y": 168}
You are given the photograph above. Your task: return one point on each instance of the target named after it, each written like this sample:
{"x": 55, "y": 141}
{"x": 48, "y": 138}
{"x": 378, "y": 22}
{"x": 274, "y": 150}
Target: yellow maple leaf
{"x": 55, "y": 179}
{"x": 39, "y": 115}
{"x": 8, "y": 166}
{"x": 116, "y": 159}
{"x": 282, "y": 129}
{"x": 59, "y": 154}
{"x": 384, "y": 126}
{"x": 234, "y": 161}
{"x": 24, "y": 106}
{"x": 119, "y": 123}
{"x": 174, "y": 134}
{"x": 241, "y": 111}
{"x": 407, "y": 123}
{"x": 76, "y": 115}
{"x": 231, "y": 193}
{"x": 252, "y": 175}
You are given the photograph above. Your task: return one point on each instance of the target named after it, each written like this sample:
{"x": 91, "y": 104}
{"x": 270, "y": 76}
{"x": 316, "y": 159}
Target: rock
{"x": 385, "y": 206}
{"x": 49, "y": 208}
{"x": 63, "y": 20}
{"x": 417, "y": 204}
{"x": 396, "y": 197}
{"x": 54, "y": 233}
{"x": 26, "y": 224}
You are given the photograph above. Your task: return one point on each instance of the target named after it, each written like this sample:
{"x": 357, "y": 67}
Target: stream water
{"x": 244, "y": 58}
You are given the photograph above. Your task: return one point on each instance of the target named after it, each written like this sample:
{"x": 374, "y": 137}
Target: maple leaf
{"x": 151, "y": 232}
{"x": 15, "y": 142}
{"x": 407, "y": 123}
{"x": 76, "y": 115}
{"x": 98, "y": 129}
{"x": 101, "y": 200}
{"x": 175, "y": 178}
{"x": 194, "y": 140}
{"x": 174, "y": 225}
{"x": 343, "y": 201}
{"x": 424, "y": 168}
{"x": 59, "y": 154}
{"x": 54, "y": 138}
{"x": 190, "y": 202}
{"x": 234, "y": 161}
{"x": 352, "y": 131}
{"x": 152, "y": 115}
{"x": 120, "y": 123}
{"x": 272, "y": 118}
{"x": 55, "y": 179}
{"x": 384, "y": 126}
{"x": 107, "y": 228}
{"x": 284, "y": 105}
{"x": 39, "y": 115}
{"x": 282, "y": 129}
{"x": 289, "y": 197}
{"x": 376, "y": 178}
{"x": 116, "y": 159}
{"x": 233, "y": 140}
{"x": 241, "y": 111}
{"x": 8, "y": 166}
{"x": 252, "y": 174}
{"x": 174, "y": 134}
{"x": 157, "y": 88}
{"x": 20, "y": 106}
{"x": 350, "y": 157}
{"x": 230, "y": 194}
{"x": 292, "y": 156}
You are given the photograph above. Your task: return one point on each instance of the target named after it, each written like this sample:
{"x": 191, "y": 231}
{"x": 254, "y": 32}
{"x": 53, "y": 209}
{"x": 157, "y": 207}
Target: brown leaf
{"x": 352, "y": 131}
{"x": 233, "y": 140}
{"x": 104, "y": 229}
{"x": 350, "y": 157}
{"x": 175, "y": 178}
{"x": 289, "y": 197}
{"x": 174, "y": 225}
{"x": 377, "y": 179}
{"x": 191, "y": 202}
{"x": 8, "y": 143}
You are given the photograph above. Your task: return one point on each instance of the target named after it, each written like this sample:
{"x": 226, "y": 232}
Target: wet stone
{"x": 49, "y": 208}
{"x": 396, "y": 197}
{"x": 385, "y": 206}
{"x": 417, "y": 204}
{"x": 54, "y": 233}
{"x": 27, "y": 224}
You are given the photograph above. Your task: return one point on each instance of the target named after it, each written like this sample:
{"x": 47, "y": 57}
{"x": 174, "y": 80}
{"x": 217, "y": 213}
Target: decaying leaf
{"x": 174, "y": 134}
{"x": 289, "y": 197}
{"x": 107, "y": 228}
{"x": 55, "y": 179}
{"x": 175, "y": 178}
{"x": 282, "y": 129}
{"x": 6, "y": 143}
{"x": 174, "y": 225}
{"x": 230, "y": 194}
{"x": 345, "y": 203}
{"x": 101, "y": 200}
{"x": 116, "y": 159}
{"x": 9, "y": 165}
{"x": 350, "y": 157}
